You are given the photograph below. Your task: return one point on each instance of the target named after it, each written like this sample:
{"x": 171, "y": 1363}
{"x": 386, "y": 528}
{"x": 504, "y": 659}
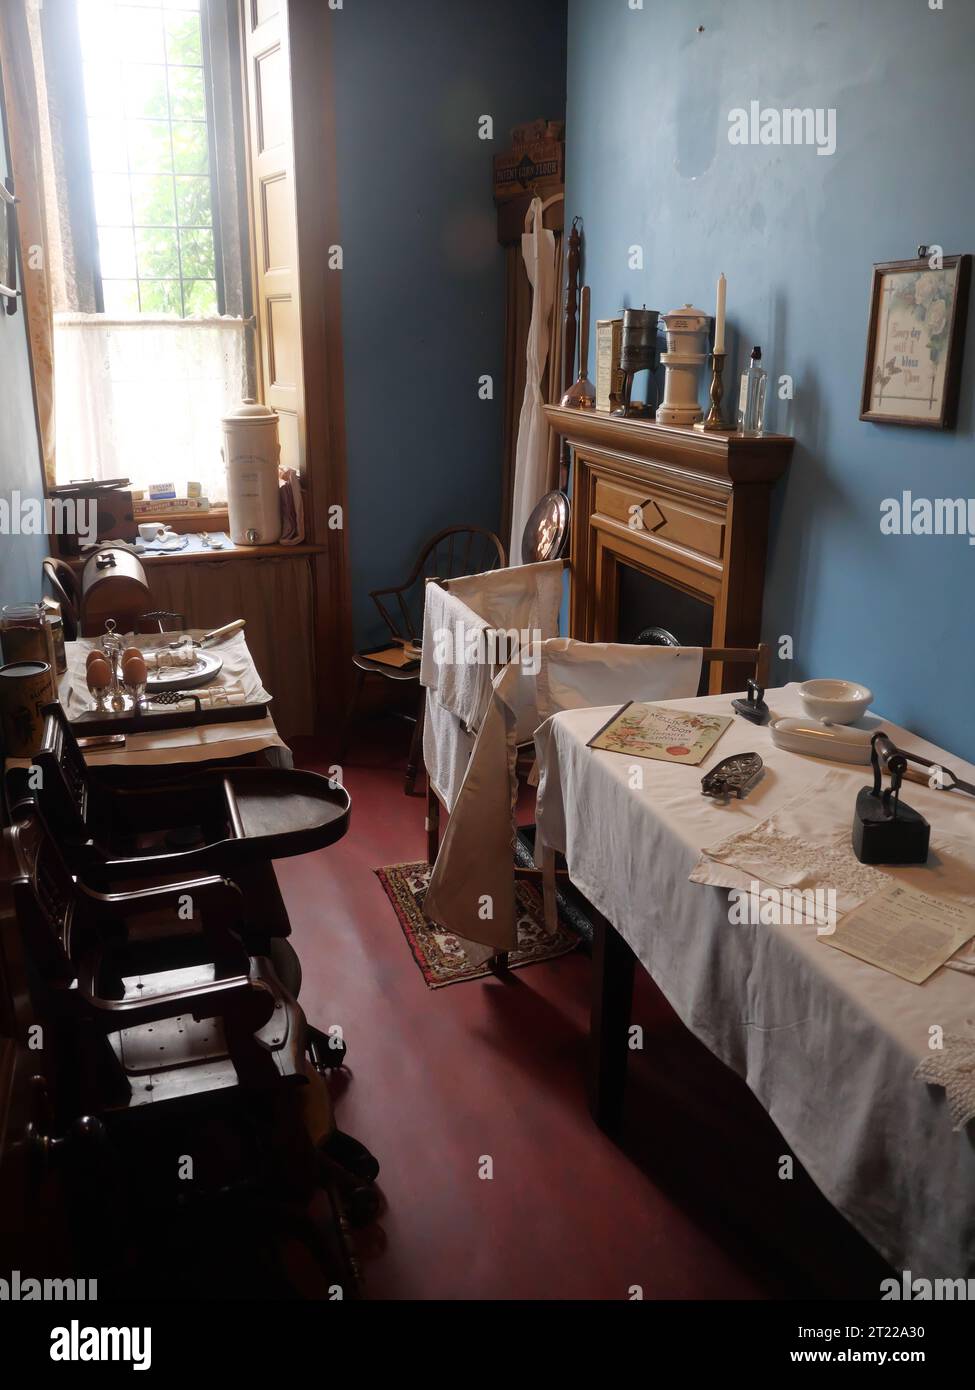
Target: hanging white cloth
{"x": 531, "y": 454}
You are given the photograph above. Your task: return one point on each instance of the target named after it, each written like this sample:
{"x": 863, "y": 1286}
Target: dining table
{"x": 830, "y": 1044}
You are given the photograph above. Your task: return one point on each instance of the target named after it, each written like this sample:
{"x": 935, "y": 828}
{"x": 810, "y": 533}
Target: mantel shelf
{"x": 721, "y": 454}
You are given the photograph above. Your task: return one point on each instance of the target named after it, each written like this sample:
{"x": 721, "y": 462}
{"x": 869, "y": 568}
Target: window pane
{"x": 158, "y": 254}
{"x": 116, "y": 253}
{"x": 121, "y": 296}
{"x": 145, "y": 90}
{"x": 140, "y": 34}
{"x": 190, "y": 147}
{"x": 161, "y": 297}
{"x": 193, "y": 202}
{"x": 97, "y": 29}
{"x": 103, "y": 89}
{"x": 106, "y": 142}
{"x": 201, "y": 298}
{"x": 146, "y": 103}
{"x": 112, "y": 205}
{"x": 152, "y": 200}
{"x": 183, "y": 39}
{"x": 197, "y": 255}
{"x": 149, "y": 148}
{"x": 186, "y": 93}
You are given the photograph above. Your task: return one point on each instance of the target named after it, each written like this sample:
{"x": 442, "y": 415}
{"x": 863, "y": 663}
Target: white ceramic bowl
{"x": 841, "y": 702}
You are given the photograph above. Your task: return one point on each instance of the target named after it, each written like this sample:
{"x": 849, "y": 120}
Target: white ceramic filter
{"x": 251, "y": 452}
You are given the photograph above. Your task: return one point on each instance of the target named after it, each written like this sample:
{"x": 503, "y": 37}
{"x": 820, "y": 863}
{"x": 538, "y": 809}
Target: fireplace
{"x": 650, "y": 610}
{"x": 669, "y": 529}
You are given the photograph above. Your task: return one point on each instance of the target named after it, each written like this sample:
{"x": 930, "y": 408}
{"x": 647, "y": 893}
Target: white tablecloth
{"x": 828, "y": 1043}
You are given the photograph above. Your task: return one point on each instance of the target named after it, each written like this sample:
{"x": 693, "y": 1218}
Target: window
{"x": 150, "y": 150}
{"x": 145, "y": 189}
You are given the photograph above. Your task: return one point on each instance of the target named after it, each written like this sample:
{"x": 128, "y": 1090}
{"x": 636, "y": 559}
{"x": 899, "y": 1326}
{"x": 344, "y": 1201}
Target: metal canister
{"x": 639, "y": 342}
{"x": 25, "y": 688}
{"x": 56, "y": 623}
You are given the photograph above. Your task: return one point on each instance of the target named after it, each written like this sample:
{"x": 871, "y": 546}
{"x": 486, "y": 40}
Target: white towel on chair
{"x": 451, "y": 634}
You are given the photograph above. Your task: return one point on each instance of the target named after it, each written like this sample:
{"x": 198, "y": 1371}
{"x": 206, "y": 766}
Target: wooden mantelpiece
{"x": 687, "y": 508}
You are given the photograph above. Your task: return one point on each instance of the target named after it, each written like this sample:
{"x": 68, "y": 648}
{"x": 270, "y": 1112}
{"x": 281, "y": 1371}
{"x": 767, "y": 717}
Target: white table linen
{"x": 827, "y": 1043}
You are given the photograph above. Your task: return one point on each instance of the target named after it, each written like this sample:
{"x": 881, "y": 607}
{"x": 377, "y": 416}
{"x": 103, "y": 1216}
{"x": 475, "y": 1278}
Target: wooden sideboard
{"x": 686, "y": 508}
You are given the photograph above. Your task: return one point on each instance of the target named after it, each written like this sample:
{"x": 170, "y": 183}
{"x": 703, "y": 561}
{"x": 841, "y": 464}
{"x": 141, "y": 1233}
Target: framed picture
{"x": 915, "y": 338}
{"x": 8, "y": 247}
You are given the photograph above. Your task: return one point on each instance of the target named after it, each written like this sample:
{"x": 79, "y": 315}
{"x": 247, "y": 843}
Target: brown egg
{"x": 96, "y": 654}
{"x": 134, "y": 670}
{"x": 132, "y": 651}
{"x": 99, "y": 674}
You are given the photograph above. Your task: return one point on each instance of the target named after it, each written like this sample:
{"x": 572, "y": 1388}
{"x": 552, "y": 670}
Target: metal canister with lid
{"x": 25, "y": 688}
{"x": 25, "y": 635}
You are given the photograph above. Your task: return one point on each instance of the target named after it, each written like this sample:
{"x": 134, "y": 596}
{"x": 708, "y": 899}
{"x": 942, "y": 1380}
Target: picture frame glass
{"x": 912, "y": 338}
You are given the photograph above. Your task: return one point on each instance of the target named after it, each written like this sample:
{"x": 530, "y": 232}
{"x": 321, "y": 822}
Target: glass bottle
{"x": 751, "y": 397}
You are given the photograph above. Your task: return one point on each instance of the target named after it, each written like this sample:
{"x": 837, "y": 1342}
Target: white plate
{"x": 207, "y": 668}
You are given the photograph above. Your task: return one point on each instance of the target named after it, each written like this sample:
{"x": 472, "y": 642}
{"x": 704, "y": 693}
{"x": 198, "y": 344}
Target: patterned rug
{"x": 441, "y": 955}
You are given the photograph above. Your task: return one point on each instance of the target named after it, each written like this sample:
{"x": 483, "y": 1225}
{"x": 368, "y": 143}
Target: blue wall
{"x": 20, "y": 465}
{"x": 796, "y": 233}
{"x": 423, "y": 277}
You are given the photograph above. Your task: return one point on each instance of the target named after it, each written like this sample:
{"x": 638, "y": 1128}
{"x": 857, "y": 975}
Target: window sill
{"x": 243, "y": 552}
{"x": 206, "y": 557}
{"x": 216, "y": 519}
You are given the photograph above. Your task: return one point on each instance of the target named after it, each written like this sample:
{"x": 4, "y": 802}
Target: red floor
{"x": 690, "y": 1206}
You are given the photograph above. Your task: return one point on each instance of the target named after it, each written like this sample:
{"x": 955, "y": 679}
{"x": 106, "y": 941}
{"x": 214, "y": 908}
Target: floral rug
{"x": 441, "y": 955}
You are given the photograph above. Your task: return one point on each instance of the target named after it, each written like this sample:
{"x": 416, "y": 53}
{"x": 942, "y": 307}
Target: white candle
{"x": 719, "y": 315}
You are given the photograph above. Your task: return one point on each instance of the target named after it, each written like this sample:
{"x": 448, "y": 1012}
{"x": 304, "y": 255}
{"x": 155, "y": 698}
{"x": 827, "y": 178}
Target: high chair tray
{"x": 158, "y": 717}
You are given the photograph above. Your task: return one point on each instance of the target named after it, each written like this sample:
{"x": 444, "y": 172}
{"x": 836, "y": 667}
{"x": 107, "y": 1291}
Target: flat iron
{"x": 885, "y": 829}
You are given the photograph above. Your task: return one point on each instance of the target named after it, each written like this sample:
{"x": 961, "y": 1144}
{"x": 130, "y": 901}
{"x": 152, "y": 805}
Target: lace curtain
{"x": 143, "y": 398}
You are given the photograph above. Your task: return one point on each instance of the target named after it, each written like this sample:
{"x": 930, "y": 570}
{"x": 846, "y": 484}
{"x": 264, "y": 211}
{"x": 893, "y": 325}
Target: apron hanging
{"x": 531, "y": 454}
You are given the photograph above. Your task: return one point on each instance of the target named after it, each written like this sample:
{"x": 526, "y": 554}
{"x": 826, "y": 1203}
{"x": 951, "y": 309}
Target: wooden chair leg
{"x": 416, "y": 745}
{"x": 549, "y": 899}
{"x": 360, "y": 680}
{"x": 499, "y": 962}
{"x": 433, "y": 825}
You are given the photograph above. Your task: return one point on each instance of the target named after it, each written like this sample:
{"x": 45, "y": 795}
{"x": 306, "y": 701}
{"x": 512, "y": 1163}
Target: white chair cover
{"x": 472, "y": 887}
{"x": 457, "y": 615}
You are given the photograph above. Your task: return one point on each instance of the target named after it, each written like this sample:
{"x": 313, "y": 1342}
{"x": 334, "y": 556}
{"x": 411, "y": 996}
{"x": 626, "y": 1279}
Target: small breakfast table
{"x": 828, "y": 1043}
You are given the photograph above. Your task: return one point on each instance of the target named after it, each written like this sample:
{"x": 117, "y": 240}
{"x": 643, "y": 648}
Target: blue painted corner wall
{"x": 423, "y": 274}
{"x": 796, "y": 233}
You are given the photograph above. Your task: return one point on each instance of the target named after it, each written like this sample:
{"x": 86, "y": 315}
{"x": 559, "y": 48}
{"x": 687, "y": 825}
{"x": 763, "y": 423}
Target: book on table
{"x": 652, "y": 731}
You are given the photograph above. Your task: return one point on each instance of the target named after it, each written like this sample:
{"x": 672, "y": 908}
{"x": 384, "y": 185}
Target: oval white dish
{"x": 822, "y": 739}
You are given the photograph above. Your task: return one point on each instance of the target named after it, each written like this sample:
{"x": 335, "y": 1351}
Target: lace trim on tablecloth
{"x": 952, "y": 1067}
{"x": 832, "y": 864}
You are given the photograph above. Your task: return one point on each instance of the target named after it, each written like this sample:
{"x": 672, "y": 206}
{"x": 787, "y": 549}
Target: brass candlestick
{"x": 714, "y": 420}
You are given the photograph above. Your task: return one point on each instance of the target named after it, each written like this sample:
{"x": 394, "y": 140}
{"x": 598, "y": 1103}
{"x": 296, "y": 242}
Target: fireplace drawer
{"x": 661, "y": 517}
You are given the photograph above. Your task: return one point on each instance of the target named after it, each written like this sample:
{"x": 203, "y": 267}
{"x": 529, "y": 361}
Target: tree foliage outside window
{"x": 145, "y": 98}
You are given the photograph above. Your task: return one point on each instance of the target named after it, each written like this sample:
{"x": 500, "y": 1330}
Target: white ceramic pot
{"x": 252, "y": 452}
{"x": 839, "y": 702}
